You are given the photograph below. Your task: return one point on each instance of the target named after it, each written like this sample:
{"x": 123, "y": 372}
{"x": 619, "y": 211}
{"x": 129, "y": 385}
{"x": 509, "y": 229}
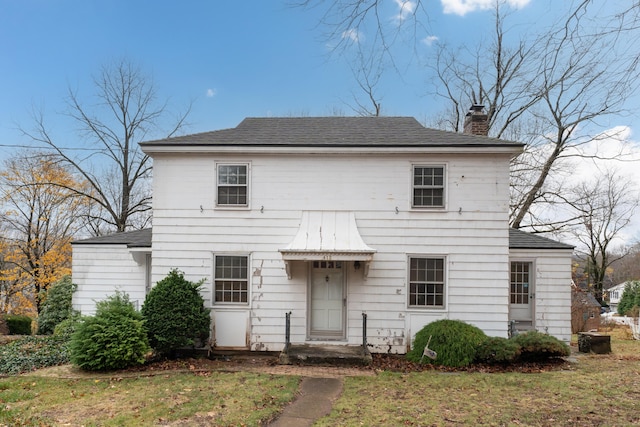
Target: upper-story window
{"x": 233, "y": 184}
{"x": 428, "y": 186}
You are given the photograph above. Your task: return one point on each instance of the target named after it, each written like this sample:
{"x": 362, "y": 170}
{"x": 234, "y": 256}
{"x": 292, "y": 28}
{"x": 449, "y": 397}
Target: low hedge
{"x": 459, "y": 344}
{"x": 454, "y": 341}
{"x": 536, "y": 346}
{"x": 19, "y": 324}
{"x": 497, "y": 350}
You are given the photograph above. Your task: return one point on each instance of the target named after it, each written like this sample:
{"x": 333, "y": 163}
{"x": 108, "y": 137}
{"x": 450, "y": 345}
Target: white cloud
{"x": 462, "y": 7}
{"x": 612, "y": 149}
{"x": 604, "y": 149}
{"x": 407, "y": 8}
{"x": 352, "y": 34}
{"x": 211, "y": 93}
{"x": 429, "y": 40}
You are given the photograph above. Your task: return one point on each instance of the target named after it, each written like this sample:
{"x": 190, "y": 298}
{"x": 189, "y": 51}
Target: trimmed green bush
{"x": 19, "y": 324}
{"x": 630, "y": 298}
{"x": 57, "y": 305}
{"x": 454, "y": 341}
{"x": 536, "y": 346}
{"x": 497, "y": 350}
{"x": 175, "y": 314}
{"x": 115, "y": 338}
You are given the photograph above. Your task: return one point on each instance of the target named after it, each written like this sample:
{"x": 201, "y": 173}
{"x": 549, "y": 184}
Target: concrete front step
{"x": 312, "y": 354}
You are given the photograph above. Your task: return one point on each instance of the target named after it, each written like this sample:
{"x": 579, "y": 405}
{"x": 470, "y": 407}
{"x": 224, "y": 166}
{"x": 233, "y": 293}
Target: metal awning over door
{"x": 327, "y": 236}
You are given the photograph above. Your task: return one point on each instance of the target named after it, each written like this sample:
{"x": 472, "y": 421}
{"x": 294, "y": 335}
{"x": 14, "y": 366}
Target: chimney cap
{"x": 475, "y": 109}
{"x": 476, "y": 121}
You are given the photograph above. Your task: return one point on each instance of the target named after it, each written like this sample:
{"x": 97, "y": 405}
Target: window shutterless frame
{"x": 231, "y": 279}
{"x": 427, "y": 281}
{"x": 428, "y": 185}
{"x": 232, "y": 184}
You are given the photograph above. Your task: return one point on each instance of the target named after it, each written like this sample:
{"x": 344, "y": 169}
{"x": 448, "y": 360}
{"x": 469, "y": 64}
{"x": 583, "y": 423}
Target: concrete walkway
{"x": 316, "y": 400}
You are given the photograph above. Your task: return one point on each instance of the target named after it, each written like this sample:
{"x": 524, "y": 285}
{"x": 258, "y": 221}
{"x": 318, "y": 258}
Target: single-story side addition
{"x": 329, "y": 219}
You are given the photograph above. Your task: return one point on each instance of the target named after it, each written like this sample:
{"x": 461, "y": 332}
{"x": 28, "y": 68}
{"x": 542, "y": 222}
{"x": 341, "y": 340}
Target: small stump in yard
{"x": 593, "y": 342}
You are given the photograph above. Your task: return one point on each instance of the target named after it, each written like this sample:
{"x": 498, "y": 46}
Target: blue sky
{"x": 232, "y": 59}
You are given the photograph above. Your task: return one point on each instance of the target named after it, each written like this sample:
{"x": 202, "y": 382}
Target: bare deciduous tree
{"x": 583, "y": 78}
{"x": 497, "y": 76}
{"x": 367, "y": 70}
{"x": 604, "y": 207}
{"x": 347, "y": 21}
{"x": 116, "y": 170}
{"x": 550, "y": 88}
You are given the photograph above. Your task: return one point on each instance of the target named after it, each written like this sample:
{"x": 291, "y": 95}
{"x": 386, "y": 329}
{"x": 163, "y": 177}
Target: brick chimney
{"x": 476, "y": 121}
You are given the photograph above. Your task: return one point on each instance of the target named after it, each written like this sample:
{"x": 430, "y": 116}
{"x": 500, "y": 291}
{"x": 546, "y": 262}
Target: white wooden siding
{"x": 552, "y": 303}
{"x": 101, "y": 270}
{"x": 472, "y": 233}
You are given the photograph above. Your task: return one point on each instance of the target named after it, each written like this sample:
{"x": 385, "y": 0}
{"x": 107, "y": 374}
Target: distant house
{"x": 614, "y": 294}
{"x": 332, "y": 218}
{"x": 585, "y": 311}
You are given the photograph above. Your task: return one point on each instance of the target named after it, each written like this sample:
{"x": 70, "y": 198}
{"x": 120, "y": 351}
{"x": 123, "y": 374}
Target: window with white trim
{"x": 426, "y": 282}
{"x": 428, "y": 186}
{"x": 231, "y": 279}
{"x": 232, "y": 184}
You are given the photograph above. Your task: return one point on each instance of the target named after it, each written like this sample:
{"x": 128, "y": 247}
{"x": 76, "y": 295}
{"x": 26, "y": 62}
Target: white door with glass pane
{"x": 326, "y": 305}
{"x": 521, "y": 291}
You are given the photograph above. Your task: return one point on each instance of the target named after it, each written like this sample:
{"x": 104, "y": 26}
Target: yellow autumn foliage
{"x": 40, "y": 213}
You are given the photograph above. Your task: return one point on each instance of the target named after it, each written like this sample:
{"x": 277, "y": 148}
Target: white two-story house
{"x": 329, "y": 218}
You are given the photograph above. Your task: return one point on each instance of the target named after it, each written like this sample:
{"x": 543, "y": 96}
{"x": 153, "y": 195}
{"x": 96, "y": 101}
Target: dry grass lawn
{"x": 597, "y": 390}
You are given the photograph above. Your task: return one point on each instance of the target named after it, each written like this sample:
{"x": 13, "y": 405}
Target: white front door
{"x": 521, "y": 292}
{"x": 326, "y": 305}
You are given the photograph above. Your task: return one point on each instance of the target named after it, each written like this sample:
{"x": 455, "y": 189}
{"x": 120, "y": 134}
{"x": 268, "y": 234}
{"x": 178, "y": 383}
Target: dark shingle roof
{"x": 133, "y": 239}
{"x": 331, "y": 131}
{"x": 142, "y": 239}
{"x": 519, "y": 239}
{"x": 580, "y": 297}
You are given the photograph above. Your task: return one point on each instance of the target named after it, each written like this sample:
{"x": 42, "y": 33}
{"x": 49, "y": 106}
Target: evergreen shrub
{"x": 65, "y": 329}
{"x": 175, "y": 314}
{"x": 536, "y": 346}
{"x": 630, "y": 299}
{"x": 57, "y": 306}
{"x": 497, "y": 350}
{"x": 115, "y": 338}
{"x": 454, "y": 341}
{"x": 19, "y": 324}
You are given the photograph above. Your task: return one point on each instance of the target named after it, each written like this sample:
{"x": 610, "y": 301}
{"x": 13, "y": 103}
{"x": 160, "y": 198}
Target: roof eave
{"x": 511, "y": 149}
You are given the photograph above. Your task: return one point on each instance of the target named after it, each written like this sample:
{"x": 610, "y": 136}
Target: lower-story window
{"x": 231, "y": 273}
{"x": 426, "y": 282}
